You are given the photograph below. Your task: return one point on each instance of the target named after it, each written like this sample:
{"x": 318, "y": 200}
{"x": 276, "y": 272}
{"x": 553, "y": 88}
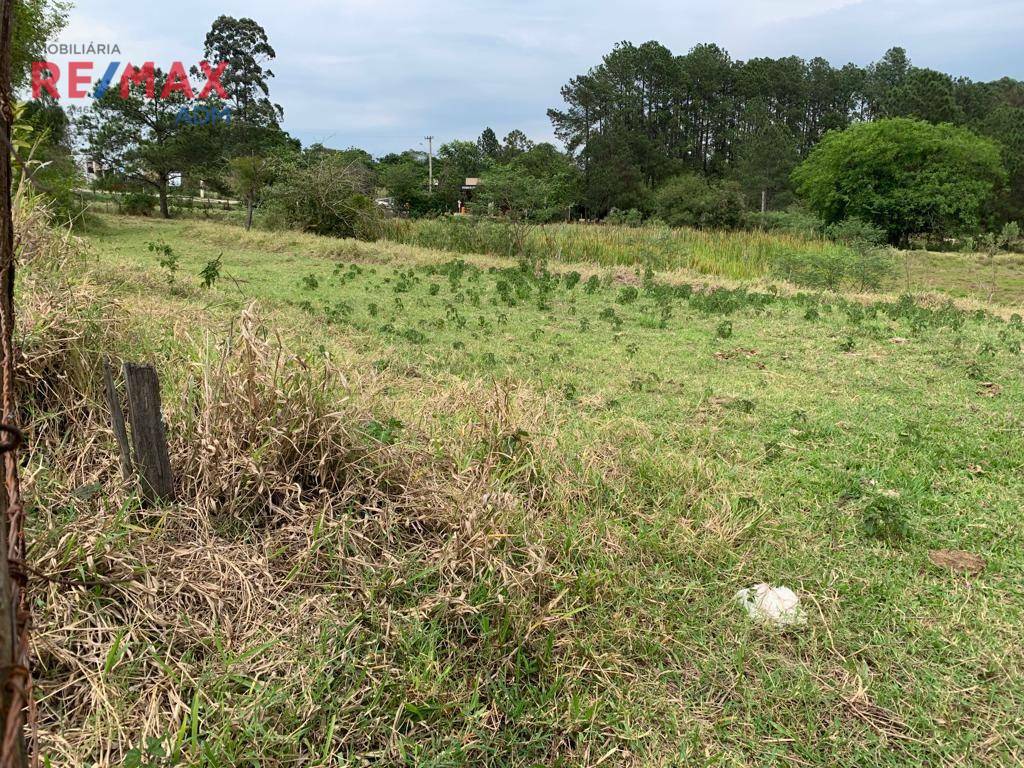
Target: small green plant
{"x": 153, "y": 755}
{"x": 884, "y": 517}
{"x": 627, "y": 294}
{"x": 166, "y": 257}
{"x": 310, "y": 282}
{"x": 210, "y": 274}
{"x": 724, "y": 329}
{"x": 386, "y": 432}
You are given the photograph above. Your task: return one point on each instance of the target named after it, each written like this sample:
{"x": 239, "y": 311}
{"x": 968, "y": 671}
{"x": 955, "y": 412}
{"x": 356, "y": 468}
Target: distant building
{"x": 93, "y": 169}
{"x": 467, "y": 192}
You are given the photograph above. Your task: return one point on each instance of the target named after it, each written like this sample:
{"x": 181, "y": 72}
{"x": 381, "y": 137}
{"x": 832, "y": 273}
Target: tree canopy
{"x": 905, "y": 176}
{"x": 645, "y": 115}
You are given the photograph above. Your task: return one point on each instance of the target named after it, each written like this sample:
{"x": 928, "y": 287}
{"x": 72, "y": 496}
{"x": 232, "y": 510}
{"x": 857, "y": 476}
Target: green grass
{"x": 741, "y": 254}
{"x": 721, "y": 439}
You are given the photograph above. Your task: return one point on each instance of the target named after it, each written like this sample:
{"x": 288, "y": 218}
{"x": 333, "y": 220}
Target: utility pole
{"x": 430, "y": 164}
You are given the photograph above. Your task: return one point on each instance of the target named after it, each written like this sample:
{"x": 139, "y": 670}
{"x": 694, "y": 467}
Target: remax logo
{"x": 46, "y": 77}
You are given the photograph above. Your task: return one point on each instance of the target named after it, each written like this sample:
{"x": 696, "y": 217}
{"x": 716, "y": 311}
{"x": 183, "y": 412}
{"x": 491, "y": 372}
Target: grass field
{"x": 742, "y": 255}
{"x": 610, "y": 456}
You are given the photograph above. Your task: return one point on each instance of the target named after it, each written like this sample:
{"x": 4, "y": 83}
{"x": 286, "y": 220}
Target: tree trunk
{"x": 162, "y": 187}
{"x": 12, "y": 752}
{"x": 248, "y": 214}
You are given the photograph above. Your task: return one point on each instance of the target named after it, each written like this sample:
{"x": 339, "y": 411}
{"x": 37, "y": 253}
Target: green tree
{"x": 765, "y": 156}
{"x": 326, "y": 192}
{"x": 249, "y": 177}
{"x": 926, "y": 95}
{"x": 541, "y": 184}
{"x": 1005, "y": 125}
{"x": 244, "y": 46}
{"x": 905, "y": 176}
{"x": 145, "y": 140}
{"x": 405, "y": 178}
{"x": 456, "y": 161}
{"x": 489, "y": 145}
{"x": 35, "y": 22}
{"x": 690, "y": 200}
{"x": 43, "y": 129}
{"x": 516, "y": 143}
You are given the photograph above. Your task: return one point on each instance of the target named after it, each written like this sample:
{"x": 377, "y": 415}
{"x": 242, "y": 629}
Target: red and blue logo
{"x": 79, "y": 83}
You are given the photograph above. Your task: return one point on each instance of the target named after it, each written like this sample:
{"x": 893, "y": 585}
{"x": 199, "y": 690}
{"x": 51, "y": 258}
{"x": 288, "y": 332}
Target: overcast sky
{"x": 381, "y": 74}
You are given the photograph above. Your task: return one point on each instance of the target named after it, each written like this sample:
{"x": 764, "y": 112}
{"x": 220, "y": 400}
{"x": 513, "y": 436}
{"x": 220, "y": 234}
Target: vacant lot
{"x": 614, "y": 453}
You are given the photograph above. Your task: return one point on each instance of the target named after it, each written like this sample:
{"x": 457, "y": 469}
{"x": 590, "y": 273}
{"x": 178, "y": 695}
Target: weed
{"x": 627, "y": 294}
{"x": 884, "y": 516}
{"x": 167, "y": 258}
{"x": 211, "y": 272}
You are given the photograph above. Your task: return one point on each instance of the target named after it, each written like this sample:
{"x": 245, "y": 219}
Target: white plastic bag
{"x": 773, "y": 605}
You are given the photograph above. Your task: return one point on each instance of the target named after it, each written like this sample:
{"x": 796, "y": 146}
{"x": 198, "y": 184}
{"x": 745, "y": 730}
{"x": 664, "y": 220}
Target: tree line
{"x": 697, "y": 139}
{"x": 645, "y": 115}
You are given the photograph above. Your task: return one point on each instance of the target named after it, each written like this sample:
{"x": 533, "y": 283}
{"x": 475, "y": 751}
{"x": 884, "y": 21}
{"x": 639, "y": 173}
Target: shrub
{"x": 869, "y": 269}
{"x": 907, "y": 176}
{"x": 629, "y": 218}
{"x": 856, "y": 233}
{"x": 692, "y": 201}
{"x": 138, "y": 204}
{"x": 821, "y": 270}
{"x": 327, "y": 194}
{"x": 795, "y": 221}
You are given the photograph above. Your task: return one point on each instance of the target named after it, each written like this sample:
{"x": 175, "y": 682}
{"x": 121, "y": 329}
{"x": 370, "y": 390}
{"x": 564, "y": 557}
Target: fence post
{"x": 148, "y": 437}
{"x": 117, "y": 420}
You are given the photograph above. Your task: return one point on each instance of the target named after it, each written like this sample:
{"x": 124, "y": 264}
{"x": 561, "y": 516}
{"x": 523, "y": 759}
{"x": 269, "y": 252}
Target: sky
{"x": 382, "y": 75}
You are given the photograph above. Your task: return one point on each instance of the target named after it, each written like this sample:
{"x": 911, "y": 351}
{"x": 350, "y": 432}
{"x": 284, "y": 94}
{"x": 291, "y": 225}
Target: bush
{"x": 907, "y": 176}
{"x": 795, "y": 221}
{"x": 630, "y": 218}
{"x": 860, "y": 269}
{"x": 137, "y": 204}
{"x": 692, "y": 201}
{"x": 324, "y": 193}
{"x": 856, "y": 233}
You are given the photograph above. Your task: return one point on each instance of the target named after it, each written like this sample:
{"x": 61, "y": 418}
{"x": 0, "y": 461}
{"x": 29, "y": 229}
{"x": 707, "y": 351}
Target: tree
{"x": 516, "y": 142}
{"x": 765, "y": 156}
{"x": 35, "y": 22}
{"x": 405, "y": 178}
{"x": 539, "y": 185}
{"x": 1005, "y": 125}
{"x": 43, "y": 129}
{"x": 489, "y": 145}
{"x": 926, "y": 94}
{"x": 249, "y": 177}
{"x": 326, "y": 192}
{"x": 905, "y": 176}
{"x": 882, "y": 80}
{"x": 690, "y": 200}
{"x": 456, "y": 161}
{"x": 145, "y": 139}
{"x": 244, "y": 46}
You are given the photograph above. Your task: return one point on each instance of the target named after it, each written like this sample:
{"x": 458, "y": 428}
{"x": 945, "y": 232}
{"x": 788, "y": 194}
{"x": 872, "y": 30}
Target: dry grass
{"x": 296, "y": 524}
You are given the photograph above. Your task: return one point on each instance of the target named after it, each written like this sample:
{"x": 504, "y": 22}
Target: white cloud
{"x": 380, "y": 73}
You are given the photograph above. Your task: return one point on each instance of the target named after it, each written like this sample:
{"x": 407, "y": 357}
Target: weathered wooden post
{"x": 148, "y": 437}
{"x": 117, "y": 420}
